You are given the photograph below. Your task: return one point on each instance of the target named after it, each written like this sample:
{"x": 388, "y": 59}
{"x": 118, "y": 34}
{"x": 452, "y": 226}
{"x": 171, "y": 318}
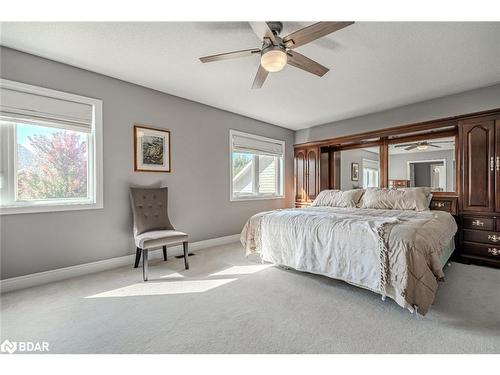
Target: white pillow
{"x": 395, "y": 199}
{"x": 338, "y": 198}
{"x": 427, "y": 192}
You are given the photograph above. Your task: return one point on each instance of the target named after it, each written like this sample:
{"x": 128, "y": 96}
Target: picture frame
{"x": 152, "y": 152}
{"x": 354, "y": 171}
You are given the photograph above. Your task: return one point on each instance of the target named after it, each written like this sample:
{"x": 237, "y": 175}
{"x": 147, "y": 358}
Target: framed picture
{"x": 151, "y": 149}
{"x": 354, "y": 171}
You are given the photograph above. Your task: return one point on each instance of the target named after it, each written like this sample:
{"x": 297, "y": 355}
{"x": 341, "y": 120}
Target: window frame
{"x": 280, "y": 177}
{"x": 95, "y": 160}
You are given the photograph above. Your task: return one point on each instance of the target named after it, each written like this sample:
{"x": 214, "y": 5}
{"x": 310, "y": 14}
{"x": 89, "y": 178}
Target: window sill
{"x": 255, "y": 198}
{"x": 33, "y": 209}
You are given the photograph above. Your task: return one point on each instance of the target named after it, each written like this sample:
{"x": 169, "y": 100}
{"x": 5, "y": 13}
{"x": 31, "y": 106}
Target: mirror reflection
{"x": 424, "y": 163}
{"x": 360, "y": 168}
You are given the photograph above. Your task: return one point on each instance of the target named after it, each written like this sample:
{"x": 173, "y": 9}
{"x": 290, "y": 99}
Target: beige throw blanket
{"x": 391, "y": 252}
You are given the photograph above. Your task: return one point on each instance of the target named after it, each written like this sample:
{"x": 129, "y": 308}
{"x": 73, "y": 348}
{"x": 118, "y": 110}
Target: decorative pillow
{"x": 338, "y": 198}
{"x": 427, "y": 191}
{"x": 395, "y": 199}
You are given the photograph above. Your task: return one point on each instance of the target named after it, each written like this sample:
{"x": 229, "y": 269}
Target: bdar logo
{"x": 8, "y": 347}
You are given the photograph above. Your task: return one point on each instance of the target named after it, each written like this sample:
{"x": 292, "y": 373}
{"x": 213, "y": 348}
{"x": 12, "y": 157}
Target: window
{"x": 256, "y": 166}
{"x": 51, "y": 153}
{"x": 370, "y": 173}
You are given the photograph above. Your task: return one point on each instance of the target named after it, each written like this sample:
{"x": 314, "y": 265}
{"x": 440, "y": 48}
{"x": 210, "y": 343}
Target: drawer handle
{"x": 494, "y": 237}
{"x": 498, "y": 163}
{"x": 493, "y": 251}
{"x": 478, "y": 223}
{"x": 492, "y": 163}
{"x": 439, "y": 204}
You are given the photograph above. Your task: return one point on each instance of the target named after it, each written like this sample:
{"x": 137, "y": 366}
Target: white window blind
{"x": 256, "y": 145}
{"x": 55, "y": 112}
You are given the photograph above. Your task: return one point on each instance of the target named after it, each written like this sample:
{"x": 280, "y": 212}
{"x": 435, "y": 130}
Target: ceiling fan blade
{"x": 410, "y": 148}
{"x": 262, "y": 30}
{"x": 229, "y": 55}
{"x": 312, "y": 32}
{"x": 305, "y": 63}
{"x": 405, "y": 145}
{"x": 260, "y": 77}
{"x": 431, "y": 145}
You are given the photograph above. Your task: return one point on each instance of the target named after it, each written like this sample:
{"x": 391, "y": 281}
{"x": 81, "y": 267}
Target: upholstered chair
{"x": 152, "y": 227}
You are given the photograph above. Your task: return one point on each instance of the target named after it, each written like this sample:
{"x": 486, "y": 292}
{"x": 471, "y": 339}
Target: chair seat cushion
{"x": 159, "y": 238}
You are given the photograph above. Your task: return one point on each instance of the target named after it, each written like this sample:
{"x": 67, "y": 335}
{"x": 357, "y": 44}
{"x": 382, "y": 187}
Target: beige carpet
{"x": 229, "y": 304}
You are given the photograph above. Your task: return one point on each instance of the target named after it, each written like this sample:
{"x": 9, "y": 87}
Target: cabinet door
{"x": 497, "y": 168}
{"x": 478, "y": 156}
{"x": 300, "y": 175}
{"x": 312, "y": 173}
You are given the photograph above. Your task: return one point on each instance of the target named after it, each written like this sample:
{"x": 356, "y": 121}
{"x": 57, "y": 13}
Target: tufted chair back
{"x": 150, "y": 209}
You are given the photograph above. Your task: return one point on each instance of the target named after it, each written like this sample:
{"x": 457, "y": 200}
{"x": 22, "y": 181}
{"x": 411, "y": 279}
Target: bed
{"x": 399, "y": 254}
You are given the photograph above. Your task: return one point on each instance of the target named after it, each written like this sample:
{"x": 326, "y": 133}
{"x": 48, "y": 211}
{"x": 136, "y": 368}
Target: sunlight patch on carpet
{"x": 163, "y": 288}
{"x": 173, "y": 275}
{"x": 241, "y": 270}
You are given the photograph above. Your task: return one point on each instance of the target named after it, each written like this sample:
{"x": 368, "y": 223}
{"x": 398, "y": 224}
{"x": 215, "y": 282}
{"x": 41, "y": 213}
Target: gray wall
{"x": 198, "y": 185}
{"x": 453, "y": 105}
{"x": 353, "y": 156}
{"x": 398, "y": 166}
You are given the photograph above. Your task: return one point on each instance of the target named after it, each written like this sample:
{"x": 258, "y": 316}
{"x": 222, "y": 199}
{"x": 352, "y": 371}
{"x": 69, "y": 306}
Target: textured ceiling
{"x": 374, "y": 66}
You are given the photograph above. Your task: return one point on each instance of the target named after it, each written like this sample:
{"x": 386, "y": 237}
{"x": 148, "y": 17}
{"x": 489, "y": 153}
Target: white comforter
{"x": 391, "y": 252}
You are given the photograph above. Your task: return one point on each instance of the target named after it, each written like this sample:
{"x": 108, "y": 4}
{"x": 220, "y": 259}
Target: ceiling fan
{"x": 424, "y": 145}
{"x": 278, "y": 51}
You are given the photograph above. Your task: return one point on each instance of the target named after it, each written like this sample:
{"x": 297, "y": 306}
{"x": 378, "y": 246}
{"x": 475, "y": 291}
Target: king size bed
{"x": 387, "y": 242}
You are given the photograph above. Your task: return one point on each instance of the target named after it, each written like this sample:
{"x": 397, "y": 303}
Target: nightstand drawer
{"x": 448, "y": 204}
{"x": 482, "y": 236}
{"x": 477, "y": 249}
{"x": 441, "y": 205}
{"x": 482, "y": 223}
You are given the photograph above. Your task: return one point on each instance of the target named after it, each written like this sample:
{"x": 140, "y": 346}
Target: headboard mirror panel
{"x": 425, "y": 162}
{"x": 360, "y": 168}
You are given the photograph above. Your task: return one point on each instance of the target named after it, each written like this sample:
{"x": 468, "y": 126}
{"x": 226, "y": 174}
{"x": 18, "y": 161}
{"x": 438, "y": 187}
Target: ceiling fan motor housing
{"x": 268, "y": 48}
{"x": 275, "y": 26}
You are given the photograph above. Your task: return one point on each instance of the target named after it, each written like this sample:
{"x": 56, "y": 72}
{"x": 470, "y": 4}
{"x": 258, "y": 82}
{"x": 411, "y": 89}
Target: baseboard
{"x": 26, "y": 281}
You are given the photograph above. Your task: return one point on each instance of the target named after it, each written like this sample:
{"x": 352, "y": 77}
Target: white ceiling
{"x": 374, "y": 66}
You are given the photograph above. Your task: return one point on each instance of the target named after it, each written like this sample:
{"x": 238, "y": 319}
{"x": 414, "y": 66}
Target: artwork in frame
{"x": 151, "y": 149}
{"x": 354, "y": 171}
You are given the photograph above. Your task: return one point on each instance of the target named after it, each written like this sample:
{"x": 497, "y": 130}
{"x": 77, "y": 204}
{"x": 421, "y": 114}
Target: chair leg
{"x": 165, "y": 253}
{"x": 186, "y": 261}
{"x": 145, "y": 264}
{"x": 137, "y": 257}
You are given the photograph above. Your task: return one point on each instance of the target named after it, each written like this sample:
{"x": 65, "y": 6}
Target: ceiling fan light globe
{"x": 273, "y": 60}
{"x": 422, "y": 147}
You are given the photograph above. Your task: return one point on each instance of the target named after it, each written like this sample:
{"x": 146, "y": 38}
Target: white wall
{"x": 198, "y": 185}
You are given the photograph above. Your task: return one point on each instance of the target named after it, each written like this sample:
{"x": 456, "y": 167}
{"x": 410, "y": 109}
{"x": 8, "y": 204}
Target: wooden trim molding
{"x": 436, "y": 125}
{"x": 384, "y": 164}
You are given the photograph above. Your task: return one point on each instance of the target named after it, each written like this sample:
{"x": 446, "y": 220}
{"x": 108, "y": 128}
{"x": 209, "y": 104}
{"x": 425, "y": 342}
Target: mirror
{"x": 359, "y": 168}
{"x": 423, "y": 163}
